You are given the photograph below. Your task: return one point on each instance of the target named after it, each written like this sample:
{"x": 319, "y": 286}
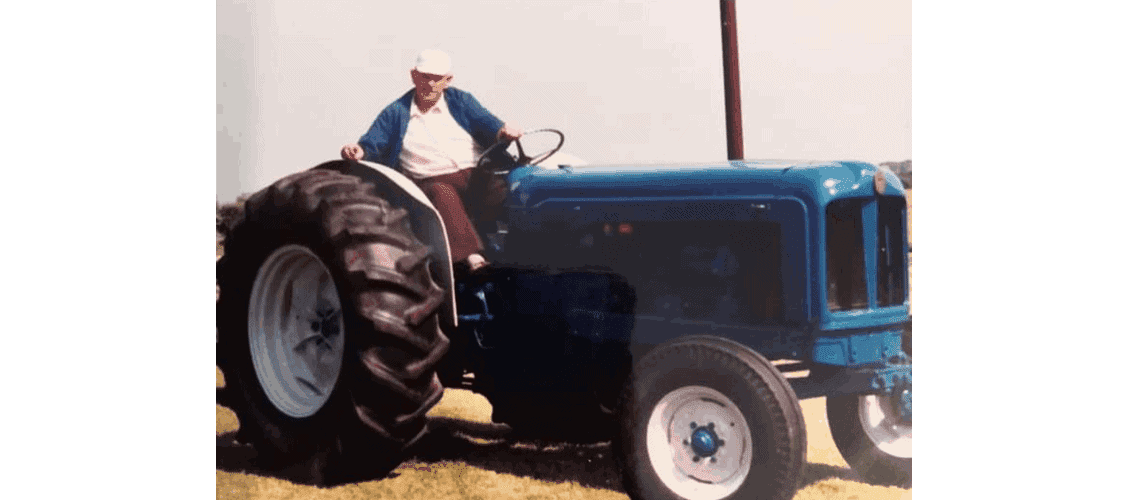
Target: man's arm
{"x": 483, "y": 126}
{"x": 374, "y": 144}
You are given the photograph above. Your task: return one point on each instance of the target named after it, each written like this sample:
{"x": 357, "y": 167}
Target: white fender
{"x": 428, "y": 227}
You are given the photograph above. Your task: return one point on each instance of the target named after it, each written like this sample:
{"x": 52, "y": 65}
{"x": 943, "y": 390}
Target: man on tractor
{"x": 434, "y": 134}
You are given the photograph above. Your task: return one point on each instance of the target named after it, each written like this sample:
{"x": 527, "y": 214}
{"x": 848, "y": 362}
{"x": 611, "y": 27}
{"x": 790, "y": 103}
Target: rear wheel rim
{"x": 699, "y": 443}
{"x": 884, "y": 425}
{"x": 296, "y": 331}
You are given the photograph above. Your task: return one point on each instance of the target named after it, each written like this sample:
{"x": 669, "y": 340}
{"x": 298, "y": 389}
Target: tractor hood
{"x": 816, "y": 183}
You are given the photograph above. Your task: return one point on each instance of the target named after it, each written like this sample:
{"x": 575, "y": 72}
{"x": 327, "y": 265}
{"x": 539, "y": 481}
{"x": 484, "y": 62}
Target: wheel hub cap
{"x": 705, "y": 442}
{"x": 295, "y": 330}
{"x": 886, "y": 422}
{"x": 699, "y": 443}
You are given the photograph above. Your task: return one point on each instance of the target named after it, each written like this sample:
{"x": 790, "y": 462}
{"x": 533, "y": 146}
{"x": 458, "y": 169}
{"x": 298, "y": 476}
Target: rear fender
{"x": 427, "y": 224}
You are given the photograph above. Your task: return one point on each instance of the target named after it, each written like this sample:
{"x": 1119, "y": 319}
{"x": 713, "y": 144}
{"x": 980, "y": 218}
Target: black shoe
{"x": 473, "y": 277}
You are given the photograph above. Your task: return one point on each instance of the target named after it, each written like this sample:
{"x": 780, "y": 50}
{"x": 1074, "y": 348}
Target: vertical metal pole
{"x": 733, "y": 125}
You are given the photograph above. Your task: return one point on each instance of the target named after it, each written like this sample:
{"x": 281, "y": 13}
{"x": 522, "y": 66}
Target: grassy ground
{"x": 465, "y": 457}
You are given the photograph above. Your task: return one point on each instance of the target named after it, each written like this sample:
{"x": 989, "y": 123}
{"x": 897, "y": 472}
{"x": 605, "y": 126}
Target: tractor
{"x": 679, "y": 311}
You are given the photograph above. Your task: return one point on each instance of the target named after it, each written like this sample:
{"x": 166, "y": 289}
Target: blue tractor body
{"x": 804, "y": 262}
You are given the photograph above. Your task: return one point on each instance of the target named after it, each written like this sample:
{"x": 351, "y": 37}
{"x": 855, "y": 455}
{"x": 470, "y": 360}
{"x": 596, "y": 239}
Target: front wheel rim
{"x": 885, "y": 426}
{"x": 699, "y": 443}
{"x": 296, "y": 331}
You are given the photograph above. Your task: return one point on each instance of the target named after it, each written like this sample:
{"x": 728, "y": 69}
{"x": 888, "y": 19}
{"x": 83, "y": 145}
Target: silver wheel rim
{"x": 884, "y": 426}
{"x": 671, "y": 426}
{"x": 296, "y": 331}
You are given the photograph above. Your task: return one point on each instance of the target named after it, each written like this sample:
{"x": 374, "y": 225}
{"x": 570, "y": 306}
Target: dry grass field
{"x": 466, "y": 457}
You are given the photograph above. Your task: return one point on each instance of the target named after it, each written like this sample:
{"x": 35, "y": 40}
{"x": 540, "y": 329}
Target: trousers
{"x": 461, "y": 198}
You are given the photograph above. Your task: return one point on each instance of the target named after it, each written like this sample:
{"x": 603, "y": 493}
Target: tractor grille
{"x": 846, "y": 275}
{"x": 846, "y": 253}
{"x": 892, "y": 252}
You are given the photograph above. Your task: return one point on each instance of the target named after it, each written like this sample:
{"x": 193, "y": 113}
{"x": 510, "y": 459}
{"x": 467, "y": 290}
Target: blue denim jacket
{"x": 385, "y": 138}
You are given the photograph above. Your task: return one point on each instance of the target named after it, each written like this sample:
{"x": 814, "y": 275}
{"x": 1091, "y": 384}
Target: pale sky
{"x": 627, "y": 82}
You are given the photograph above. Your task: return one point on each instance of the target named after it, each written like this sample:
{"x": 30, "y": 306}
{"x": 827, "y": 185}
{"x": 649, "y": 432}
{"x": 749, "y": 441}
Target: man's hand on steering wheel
{"x": 487, "y": 159}
{"x": 508, "y": 133}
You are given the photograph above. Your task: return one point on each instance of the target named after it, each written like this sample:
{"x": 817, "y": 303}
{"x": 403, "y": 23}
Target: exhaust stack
{"x": 732, "y": 118}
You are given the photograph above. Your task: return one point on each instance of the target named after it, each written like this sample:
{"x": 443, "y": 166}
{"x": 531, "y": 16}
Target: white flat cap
{"x": 433, "y": 62}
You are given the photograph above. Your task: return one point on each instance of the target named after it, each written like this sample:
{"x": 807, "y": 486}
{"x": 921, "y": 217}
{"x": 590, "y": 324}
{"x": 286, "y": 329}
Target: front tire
{"x": 328, "y": 327}
{"x": 708, "y": 419}
{"x": 874, "y": 432}
{"x": 873, "y": 437}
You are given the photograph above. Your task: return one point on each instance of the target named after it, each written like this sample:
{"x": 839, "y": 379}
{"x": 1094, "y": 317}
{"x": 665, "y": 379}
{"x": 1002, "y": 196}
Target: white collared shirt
{"x": 435, "y": 144}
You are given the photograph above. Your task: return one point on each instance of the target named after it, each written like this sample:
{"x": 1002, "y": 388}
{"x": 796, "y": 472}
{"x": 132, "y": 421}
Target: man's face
{"x": 429, "y": 86}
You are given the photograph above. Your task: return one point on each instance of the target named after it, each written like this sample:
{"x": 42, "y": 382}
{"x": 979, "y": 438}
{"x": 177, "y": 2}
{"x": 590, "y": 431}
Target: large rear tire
{"x": 708, "y": 419}
{"x": 328, "y": 328}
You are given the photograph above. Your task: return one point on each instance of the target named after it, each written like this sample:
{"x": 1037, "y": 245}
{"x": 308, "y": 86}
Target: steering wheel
{"x": 488, "y": 159}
